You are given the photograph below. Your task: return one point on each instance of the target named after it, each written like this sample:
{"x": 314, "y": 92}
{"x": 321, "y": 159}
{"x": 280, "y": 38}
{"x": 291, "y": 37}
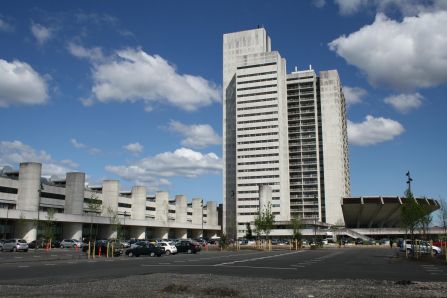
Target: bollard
{"x": 50, "y": 245}
{"x": 99, "y": 250}
{"x": 107, "y": 252}
{"x": 94, "y": 250}
{"x": 113, "y": 249}
{"x": 88, "y": 251}
{"x": 76, "y": 248}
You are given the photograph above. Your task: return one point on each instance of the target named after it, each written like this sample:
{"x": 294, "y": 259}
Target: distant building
{"x": 23, "y": 193}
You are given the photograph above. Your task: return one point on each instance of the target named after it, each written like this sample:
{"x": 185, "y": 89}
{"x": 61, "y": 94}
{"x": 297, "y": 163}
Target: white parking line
{"x": 18, "y": 257}
{"x": 23, "y": 266}
{"x": 37, "y": 256}
{"x": 50, "y": 264}
{"x": 261, "y": 267}
{"x": 260, "y": 258}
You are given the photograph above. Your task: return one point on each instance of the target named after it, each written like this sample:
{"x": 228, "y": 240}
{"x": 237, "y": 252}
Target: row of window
{"x": 258, "y": 134}
{"x": 258, "y": 155}
{"x": 257, "y": 121}
{"x": 256, "y": 100}
{"x": 256, "y": 87}
{"x": 258, "y": 177}
{"x": 257, "y": 114}
{"x": 253, "y": 191}
{"x": 258, "y": 127}
{"x": 257, "y": 170}
{"x": 255, "y": 94}
{"x": 256, "y": 65}
{"x": 256, "y": 81}
{"x": 256, "y": 74}
{"x": 257, "y": 142}
{"x": 257, "y": 162}
{"x": 257, "y": 149}
{"x": 257, "y": 184}
{"x": 257, "y": 107}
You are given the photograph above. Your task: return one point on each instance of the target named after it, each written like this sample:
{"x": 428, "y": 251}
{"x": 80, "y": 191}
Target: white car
{"x": 66, "y": 243}
{"x": 169, "y": 247}
{"x": 421, "y": 247}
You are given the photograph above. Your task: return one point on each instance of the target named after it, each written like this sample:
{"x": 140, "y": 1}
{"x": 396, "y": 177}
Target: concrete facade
{"x": 23, "y": 192}
{"x": 285, "y": 131}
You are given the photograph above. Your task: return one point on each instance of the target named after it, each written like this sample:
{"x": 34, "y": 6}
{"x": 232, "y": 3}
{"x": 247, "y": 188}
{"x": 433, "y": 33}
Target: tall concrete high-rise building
{"x": 287, "y": 132}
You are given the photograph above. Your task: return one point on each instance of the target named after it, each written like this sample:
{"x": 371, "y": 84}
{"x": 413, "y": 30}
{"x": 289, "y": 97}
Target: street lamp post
{"x": 201, "y": 205}
{"x": 124, "y": 225}
{"x": 38, "y": 213}
{"x": 409, "y": 180}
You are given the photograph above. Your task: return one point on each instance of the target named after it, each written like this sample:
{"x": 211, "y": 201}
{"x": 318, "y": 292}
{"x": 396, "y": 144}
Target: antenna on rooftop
{"x": 310, "y": 66}
{"x": 296, "y": 68}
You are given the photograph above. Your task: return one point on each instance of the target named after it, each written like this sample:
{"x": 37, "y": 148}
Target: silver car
{"x": 15, "y": 245}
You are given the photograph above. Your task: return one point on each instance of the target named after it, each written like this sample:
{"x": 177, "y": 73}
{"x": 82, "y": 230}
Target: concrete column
{"x": 161, "y": 206}
{"x": 110, "y": 192}
{"x": 25, "y": 230}
{"x": 29, "y": 185}
{"x": 161, "y": 233}
{"x": 197, "y": 211}
{"x": 138, "y": 232}
{"x": 74, "y": 193}
{"x": 138, "y": 203}
{"x": 181, "y": 233}
{"x": 72, "y": 230}
{"x": 211, "y": 213}
{"x": 181, "y": 206}
{"x": 265, "y": 197}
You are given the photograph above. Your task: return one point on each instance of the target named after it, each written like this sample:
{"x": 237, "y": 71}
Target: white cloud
{"x": 21, "y": 84}
{"x": 134, "y": 147}
{"x": 79, "y": 51}
{"x": 353, "y": 95}
{"x": 134, "y": 75}
{"x": 404, "y": 7}
{"x": 86, "y": 102}
{"x": 77, "y": 144}
{"x": 404, "y": 103}
{"x": 5, "y": 26}
{"x": 404, "y": 55}
{"x": 15, "y": 152}
{"x": 373, "y": 131}
{"x": 319, "y": 3}
{"x": 182, "y": 162}
{"x": 90, "y": 150}
{"x": 196, "y": 135}
{"x": 41, "y": 34}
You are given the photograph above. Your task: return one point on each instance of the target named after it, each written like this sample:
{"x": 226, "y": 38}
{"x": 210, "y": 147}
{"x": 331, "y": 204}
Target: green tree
{"x": 296, "y": 228}
{"x": 442, "y": 215}
{"x": 412, "y": 214}
{"x": 49, "y": 224}
{"x": 94, "y": 207}
{"x": 249, "y": 234}
{"x": 223, "y": 241}
{"x": 115, "y": 223}
{"x": 264, "y": 221}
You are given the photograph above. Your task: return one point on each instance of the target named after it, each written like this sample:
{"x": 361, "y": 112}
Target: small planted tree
{"x": 49, "y": 225}
{"x": 223, "y": 242}
{"x": 115, "y": 222}
{"x": 249, "y": 233}
{"x": 412, "y": 214}
{"x": 94, "y": 207}
{"x": 264, "y": 221}
{"x": 442, "y": 215}
{"x": 296, "y": 229}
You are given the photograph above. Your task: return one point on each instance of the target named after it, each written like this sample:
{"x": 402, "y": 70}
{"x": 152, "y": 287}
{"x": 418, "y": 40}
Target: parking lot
{"x": 60, "y": 265}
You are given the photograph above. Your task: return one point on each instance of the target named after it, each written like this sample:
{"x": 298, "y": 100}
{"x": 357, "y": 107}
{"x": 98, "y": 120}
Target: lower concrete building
{"x": 30, "y": 203}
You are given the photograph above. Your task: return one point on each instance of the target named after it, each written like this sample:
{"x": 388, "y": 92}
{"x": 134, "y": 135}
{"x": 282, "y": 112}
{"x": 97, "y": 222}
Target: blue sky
{"x": 132, "y": 90}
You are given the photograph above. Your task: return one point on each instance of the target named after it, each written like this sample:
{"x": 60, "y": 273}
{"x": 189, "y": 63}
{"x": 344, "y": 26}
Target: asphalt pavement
{"x": 333, "y": 263}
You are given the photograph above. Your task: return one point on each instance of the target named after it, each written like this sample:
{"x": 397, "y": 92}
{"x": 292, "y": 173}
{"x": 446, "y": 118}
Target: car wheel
{"x": 26, "y": 250}
{"x": 159, "y": 255}
{"x": 189, "y": 251}
{"x": 14, "y": 249}
{"x": 137, "y": 255}
{"x": 152, "y": 254}
{"x": 130, "y": 254}
{"x": 168, "y": 252}
{"x": 62, "y": 246}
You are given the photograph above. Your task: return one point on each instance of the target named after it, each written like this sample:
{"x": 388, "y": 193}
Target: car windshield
{"x": 21, "y": 241}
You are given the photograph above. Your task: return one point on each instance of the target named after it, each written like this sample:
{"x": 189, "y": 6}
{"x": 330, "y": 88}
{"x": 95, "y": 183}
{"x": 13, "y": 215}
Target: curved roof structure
{"x": 378, "y": 211}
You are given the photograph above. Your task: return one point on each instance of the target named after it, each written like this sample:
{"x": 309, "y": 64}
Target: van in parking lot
{"x": 15, "y": 245}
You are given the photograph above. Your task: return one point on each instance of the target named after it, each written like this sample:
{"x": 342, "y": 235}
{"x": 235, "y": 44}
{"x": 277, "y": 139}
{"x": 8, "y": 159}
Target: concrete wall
{"x": 265, "y": 197}
{"x": 110, "y": 191}
{"x": 72, "y": 231}
{"x": 29, "y": 185}
{"x": 197, "y": 211}
{"x": 212, "y": 215}
{"x": 161, "y": 206}
{"x": 138, "y": 202}
{"x": 138, "y": 232}
{"x": 181, "y": 205}
{"x": 74, "y": 193}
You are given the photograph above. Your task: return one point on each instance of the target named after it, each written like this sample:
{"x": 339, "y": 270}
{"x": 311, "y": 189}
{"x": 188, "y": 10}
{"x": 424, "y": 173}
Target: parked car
{"x": 36, "y": 244}
{"x": 1, "y": 243}
{"x": 15, "y": 245}
{"x": 169, "y": 247}
{"x": 66, "y": 243}
{"x": 421, "y": 247}
{"x": 188, "y": 246}
{"x": 148, "y": 249}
